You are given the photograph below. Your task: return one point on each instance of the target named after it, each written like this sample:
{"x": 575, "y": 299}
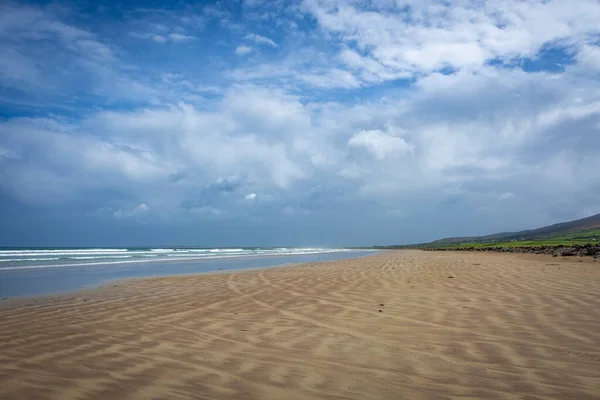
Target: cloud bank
{"x": 325, "y": 122}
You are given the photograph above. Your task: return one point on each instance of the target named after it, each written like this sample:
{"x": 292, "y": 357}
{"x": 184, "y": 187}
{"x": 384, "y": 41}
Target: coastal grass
{"x": 579, "y": 238}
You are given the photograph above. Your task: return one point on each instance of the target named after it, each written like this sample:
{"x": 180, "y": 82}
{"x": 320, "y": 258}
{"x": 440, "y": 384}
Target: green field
{"x": 592, "y": 237}
{"x": 577, "y": 232}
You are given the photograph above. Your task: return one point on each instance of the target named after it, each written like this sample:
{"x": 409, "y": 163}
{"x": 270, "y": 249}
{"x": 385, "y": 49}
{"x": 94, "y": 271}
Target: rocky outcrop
{"x": 589, "y": 250}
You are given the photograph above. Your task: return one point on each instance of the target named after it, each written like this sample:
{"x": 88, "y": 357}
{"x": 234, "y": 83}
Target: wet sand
{"x": 396, "y": 325}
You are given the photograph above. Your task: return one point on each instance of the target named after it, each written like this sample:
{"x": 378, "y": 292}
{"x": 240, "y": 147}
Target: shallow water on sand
{"x": 47, "y": 279}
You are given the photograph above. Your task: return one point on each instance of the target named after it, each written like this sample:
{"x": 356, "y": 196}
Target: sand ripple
{"x": 504, "y": 326}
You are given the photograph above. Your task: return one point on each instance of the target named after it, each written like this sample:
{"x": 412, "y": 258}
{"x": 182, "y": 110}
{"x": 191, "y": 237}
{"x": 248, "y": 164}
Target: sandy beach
{"x": 395, "y": 325}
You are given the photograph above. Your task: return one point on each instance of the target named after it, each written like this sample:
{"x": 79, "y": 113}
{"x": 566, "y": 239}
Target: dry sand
{"x": 504, "y": 327}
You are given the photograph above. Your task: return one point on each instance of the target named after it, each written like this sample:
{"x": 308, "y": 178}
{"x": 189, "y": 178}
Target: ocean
{"x": 28, "y": 271}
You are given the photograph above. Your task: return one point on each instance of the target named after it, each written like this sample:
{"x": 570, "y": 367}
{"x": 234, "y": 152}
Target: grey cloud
{"x": 287, "y": 147}
{"x": 339, "y": 163}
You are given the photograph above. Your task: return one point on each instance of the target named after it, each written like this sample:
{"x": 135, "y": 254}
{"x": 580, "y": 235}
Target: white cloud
{"x": 380, "y": 144}
{"x": 332, "y": 78}
{"x": 161, "y": 38}
{"x": 258, "y": 39}
{"x": 315, "y": 131}
{"x": 178, "y": 37}
{"x": 370, "y": 70}
{"x": 243, "y": 50}
{"x": 95, "y": 164}
{"x": 142, "y": 208}
{"x": 450, "y": 130}
{"x": 416, "y": 38}
{"x": 134, "y": 165}
{"x": 304, "y": 69}
{"x": 589, "y": 57}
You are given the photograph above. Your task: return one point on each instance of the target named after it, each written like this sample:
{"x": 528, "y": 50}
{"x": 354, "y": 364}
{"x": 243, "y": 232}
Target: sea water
{"x": 26, "y": 272}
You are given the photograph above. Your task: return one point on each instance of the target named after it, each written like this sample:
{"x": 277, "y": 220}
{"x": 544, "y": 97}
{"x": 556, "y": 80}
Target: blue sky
{"x": 316, "y": 122}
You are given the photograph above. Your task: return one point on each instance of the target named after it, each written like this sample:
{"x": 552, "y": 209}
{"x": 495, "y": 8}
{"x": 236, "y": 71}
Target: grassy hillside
{"x": 592, "y": 236}
{"x": 567, "y": 229}
{"x": 581, "y": 231}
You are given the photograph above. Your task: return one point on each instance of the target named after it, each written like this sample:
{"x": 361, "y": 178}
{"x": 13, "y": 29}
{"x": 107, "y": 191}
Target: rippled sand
{"x": 388, "y": 326}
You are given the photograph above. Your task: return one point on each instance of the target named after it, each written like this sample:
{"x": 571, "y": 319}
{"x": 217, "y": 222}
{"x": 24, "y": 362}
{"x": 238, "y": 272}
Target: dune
{"x": 395, "y": 325}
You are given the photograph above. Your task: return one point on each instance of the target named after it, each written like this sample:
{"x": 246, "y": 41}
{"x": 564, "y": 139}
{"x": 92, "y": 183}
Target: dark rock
{"x": 450, "y": 277}
{"x": 381, "y": 305}
{"x": 380, "y": 310}
{"x": 589, "y": 250}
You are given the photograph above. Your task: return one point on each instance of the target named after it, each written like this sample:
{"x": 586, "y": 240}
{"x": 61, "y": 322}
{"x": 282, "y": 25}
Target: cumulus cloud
{"x": 415, "y": 113}
{"x": 278, "y": 143}
{"x": 391, "y": 40}
{"x": 379, "y": 144}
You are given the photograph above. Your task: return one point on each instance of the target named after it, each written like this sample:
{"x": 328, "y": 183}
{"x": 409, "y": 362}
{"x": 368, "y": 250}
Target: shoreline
{"x": 98, "y": 289}
{"x": 121, "y": 281}
{"x": 410, "y": 324}
{"x": 167, "y": 260}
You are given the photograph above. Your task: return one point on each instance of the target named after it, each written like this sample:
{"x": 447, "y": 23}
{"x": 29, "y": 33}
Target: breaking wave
{"x": 11, "y": 259}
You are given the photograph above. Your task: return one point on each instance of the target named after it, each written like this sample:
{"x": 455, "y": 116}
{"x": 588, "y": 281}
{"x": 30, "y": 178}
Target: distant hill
{"x": 584, "y": 226}
{"x": 547, "y": 232}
